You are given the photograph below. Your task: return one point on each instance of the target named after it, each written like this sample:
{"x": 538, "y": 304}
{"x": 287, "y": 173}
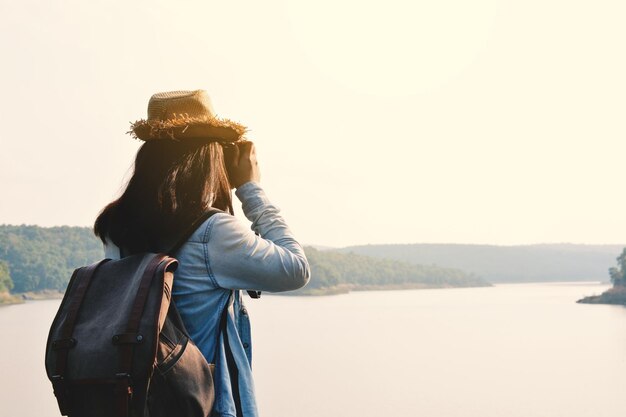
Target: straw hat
{"x": 185, "y": 114}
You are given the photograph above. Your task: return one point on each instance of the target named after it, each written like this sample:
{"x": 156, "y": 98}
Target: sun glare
{"x": 393, "y": 47}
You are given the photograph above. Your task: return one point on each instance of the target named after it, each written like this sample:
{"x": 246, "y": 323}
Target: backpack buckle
{"x": 124, "y": 380}
{"x": 124, "y": 393}
{"x": 63, "y": 344}
{"x": 127, "y": 339}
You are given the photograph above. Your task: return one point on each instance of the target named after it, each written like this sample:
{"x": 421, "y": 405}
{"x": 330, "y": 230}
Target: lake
{"x": 514, "y": 350}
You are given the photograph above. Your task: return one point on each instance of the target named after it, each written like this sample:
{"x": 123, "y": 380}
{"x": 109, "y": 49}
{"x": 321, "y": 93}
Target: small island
{"x": 617, "y": 294}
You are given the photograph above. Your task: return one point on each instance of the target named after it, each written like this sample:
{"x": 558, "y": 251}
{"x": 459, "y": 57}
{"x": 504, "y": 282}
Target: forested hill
{"x": 531, "y": 263}
{"x": 34, "y": 258}
{"x": 338, "y": 272}
{"x": 42, "y": 258}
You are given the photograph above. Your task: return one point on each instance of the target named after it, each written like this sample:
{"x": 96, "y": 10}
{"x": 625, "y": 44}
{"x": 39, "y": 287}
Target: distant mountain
{"x": 529, "y": 263}
{"x": 320, "y": 247}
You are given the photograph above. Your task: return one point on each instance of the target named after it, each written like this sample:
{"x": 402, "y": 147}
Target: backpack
{"x": 118, "y": 347}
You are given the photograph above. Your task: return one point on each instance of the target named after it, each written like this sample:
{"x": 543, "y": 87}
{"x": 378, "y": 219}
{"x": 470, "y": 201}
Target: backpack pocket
{"x": 169, "y": 351}
{"x": 182, "y": 384}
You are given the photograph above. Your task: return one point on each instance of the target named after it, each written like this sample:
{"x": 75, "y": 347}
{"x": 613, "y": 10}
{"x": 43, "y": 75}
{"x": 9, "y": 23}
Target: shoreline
{"x": 8, "y": 299}
{"x": 613, "y": 296}
{"x": 347, "y": 288}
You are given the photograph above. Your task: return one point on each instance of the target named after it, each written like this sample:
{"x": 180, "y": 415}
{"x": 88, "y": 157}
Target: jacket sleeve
{"x": 240, "y": 259}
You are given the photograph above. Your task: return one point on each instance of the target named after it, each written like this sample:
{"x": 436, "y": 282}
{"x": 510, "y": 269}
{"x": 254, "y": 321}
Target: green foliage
{"x": 333, "y": 269}
{"x": 6, "y": 283}
{"x": 617, "y": 294}
{"x": 618, "y": 274}
{"x": 44, "y": 258}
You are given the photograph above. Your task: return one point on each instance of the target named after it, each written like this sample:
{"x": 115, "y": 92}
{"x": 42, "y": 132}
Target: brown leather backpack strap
{"x": 81, "y": 279}
{"x": 131, "y": 337}
{"x": 144, "y": 288}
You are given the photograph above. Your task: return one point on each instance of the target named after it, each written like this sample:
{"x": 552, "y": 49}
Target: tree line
{"x": 34, "y": 258}
{"x": 336, "y": 270}
{"x": 41, "y": 258}
{"x": 618, "y": 273}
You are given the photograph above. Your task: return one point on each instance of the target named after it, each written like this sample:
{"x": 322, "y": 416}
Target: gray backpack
{"x": 118, "y": 347}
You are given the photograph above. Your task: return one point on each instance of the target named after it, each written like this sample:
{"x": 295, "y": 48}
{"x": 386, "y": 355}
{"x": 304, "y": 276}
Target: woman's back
{"x": 175, "y": 181}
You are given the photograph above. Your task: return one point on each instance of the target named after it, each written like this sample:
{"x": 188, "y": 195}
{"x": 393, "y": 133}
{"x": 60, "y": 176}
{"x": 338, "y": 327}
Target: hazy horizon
{"x": 490, "y": 122}
{"x": 325, "y": 246}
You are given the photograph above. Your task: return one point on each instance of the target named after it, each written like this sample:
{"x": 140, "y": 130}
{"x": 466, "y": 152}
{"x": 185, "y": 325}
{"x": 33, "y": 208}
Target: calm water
{"x": 520, "y": 350}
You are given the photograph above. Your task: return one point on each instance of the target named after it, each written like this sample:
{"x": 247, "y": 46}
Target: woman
{"x": 188, "y": 164}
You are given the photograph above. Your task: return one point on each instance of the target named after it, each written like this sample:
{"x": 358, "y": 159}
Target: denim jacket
{"x": 222, "y": 257}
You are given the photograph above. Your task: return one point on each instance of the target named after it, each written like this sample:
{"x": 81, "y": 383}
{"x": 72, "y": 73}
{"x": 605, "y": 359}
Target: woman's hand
{"x": 243, "y": 166}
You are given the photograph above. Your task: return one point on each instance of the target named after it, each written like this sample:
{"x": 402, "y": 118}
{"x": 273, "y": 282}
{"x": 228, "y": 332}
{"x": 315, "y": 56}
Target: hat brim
{"x": 210, "y": 128}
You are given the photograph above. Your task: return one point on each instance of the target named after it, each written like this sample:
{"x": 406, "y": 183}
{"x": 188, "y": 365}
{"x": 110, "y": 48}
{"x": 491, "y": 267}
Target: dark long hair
{"x": 173, "y": 183}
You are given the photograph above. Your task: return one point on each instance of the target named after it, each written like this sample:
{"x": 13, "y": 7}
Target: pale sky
{"x": 490, "y": 121}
